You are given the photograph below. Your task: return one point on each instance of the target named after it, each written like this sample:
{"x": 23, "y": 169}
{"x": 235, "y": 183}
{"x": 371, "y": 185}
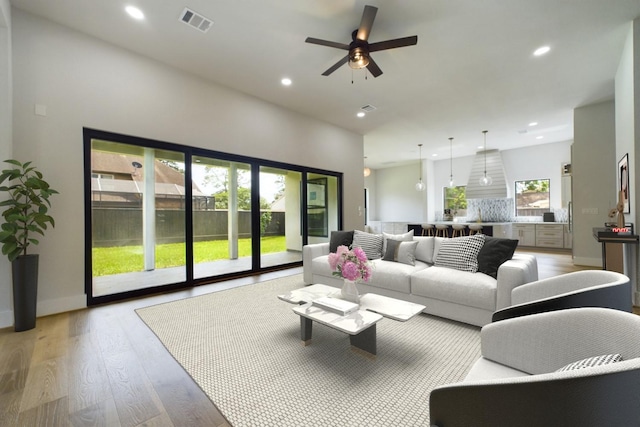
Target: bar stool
{"x": 475, "y": 229}
{"x": 459, "y": 230}
{"x": 427, "y": 229}
{"x": 442, "y": 230}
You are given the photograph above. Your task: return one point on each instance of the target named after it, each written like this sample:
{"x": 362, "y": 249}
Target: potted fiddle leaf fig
{"x": 25, "y": 216}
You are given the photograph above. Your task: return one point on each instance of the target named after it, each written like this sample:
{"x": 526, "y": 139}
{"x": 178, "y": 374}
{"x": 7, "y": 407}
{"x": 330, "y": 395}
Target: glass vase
{"x": 349, "y": 291}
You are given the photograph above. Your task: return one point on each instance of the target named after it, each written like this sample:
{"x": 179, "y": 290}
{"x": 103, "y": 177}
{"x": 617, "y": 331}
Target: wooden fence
{"x": 121, "y": 227}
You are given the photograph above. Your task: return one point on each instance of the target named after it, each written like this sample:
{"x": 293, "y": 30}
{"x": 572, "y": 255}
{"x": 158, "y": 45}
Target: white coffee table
{"x": 360, "y": 325}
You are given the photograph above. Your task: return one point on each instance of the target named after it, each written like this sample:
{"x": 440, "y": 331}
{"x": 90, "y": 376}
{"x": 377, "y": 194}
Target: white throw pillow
{"x": 404, "y": 237}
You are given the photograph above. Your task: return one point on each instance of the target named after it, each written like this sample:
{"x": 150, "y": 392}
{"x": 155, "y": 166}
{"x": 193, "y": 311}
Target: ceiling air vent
{"x": 195, "y": 20}
{"x": 368, "y": 108}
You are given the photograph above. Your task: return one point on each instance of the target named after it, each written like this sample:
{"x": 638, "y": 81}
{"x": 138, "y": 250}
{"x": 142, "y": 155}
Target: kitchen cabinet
{"x": 550, "y": 235}
{"x": 525, "y": 233}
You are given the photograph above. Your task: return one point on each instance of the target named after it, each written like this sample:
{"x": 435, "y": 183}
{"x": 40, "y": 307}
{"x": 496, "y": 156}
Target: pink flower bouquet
{"x": 350, "y": 264}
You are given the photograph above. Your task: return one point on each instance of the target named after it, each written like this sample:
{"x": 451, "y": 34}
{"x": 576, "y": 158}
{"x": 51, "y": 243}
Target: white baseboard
{"x": 588, "y": 262}
{"x": 47, "y": 307}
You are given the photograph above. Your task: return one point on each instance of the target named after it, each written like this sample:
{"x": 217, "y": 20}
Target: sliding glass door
{"x": 221, "y": 217}
{"x": 163, "y": 216}
{"x": 137, "y": 217}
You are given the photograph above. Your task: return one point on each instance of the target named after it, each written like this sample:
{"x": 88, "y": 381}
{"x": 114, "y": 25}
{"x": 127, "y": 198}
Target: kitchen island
{"x": 497, "y": 229}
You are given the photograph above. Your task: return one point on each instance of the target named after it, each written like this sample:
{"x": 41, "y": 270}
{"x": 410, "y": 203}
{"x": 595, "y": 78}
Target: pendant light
{"x": 367, "y": 171}
{"x": 485, "y": 180}
{"x": 451, "y": 182}
{"x": 420, "y": 185}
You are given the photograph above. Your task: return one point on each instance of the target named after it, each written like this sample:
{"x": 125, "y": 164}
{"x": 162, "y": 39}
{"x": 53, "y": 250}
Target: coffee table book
{"x": 335, "y": 305}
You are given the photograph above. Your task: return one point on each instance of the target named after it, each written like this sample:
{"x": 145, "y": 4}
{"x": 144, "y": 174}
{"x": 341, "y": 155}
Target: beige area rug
{"x": 242, "y": 346}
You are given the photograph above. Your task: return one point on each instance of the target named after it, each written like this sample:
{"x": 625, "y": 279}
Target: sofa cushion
{"x": 405, "y": 237}
{"x": 371, "y": 244}
{"x": 340, "y": 238}
{"x": 460, "y": 287}
{"x": 398, "y": 251}
{"x": 394, "y": 276}
{"x": 605, "y": 359}
{"x": 494, "y": 253}
{"x": 460, "y": 253}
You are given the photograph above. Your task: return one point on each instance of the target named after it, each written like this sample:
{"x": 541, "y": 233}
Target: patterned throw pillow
{"x": 460, "y": 253}
{"x": 371, "y": 244}
{"x": 401, "y": 251}
{"x": 589, "y": 362}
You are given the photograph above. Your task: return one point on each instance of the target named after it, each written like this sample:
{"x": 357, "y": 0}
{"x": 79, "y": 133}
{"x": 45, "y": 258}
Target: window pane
{"x": 221, "y": 217}
{"x": 280, "y": 228}
{"x": 532, "y": 197}
{"x": 138, "y": 223}
{"x": 455, "y": 200}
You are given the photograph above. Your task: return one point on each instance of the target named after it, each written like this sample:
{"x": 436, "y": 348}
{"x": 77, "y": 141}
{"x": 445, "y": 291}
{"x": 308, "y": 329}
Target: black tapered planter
{"x": 25, "y": 291}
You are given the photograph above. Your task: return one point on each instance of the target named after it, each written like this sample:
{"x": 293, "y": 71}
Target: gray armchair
{"x": 515, "y": 382}
{"x": 587, "y": 288}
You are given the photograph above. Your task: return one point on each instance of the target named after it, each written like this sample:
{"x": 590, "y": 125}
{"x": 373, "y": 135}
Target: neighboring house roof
{"x": 168, "y": 180}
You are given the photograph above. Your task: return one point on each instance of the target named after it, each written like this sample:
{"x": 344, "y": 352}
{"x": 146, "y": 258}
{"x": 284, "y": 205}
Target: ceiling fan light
{"x": 358, "y": 58}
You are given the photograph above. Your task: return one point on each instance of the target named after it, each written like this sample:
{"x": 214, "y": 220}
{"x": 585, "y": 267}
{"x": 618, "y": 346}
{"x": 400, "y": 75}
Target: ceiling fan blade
{"x": 373, "y": 68}
{"x": 327, "y": 43}
{"x": 337, "y": 65}
{"x": 392, "y": 44}
{"x": 368, "y": 15}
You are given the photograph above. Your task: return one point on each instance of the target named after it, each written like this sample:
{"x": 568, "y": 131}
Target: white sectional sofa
{"x": 446, "y": 292}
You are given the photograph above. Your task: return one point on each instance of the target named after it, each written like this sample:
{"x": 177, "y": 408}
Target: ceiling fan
{"x": 360, "y": 49}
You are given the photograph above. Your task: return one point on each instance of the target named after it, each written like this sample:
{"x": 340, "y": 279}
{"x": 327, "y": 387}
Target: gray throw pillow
{"x": 400, "y": 251}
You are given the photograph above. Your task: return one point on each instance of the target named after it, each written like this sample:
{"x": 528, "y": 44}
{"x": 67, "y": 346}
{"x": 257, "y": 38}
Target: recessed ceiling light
{"x": 286, "y": 81}
{"x": 539, "y": 137}
{"x": 541, "y": 50}
{"x": 434, "y": 155}
{"x": 361, "y": 114}
{"x": 134, "y": 12}
{"x": 533, "y": 124}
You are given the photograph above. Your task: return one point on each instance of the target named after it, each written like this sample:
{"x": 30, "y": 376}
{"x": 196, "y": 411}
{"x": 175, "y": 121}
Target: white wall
{"x": 84, "y": 82}
{"x": 627, "y": 105}
{"x": 6, "y": 146}
{"x": 397, "y": 200}
{"x": 396, "y": 196}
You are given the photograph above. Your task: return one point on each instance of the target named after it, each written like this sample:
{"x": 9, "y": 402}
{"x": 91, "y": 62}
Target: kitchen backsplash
{"x": 491, "y": 210}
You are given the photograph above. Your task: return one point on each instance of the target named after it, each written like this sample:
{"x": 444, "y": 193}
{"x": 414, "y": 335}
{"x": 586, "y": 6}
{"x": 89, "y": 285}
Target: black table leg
{"x": 306, "y": 328}
{"x": 365, "y": 340}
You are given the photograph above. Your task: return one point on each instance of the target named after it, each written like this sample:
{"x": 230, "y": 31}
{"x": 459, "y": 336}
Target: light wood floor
{"x": 103, "y": 367}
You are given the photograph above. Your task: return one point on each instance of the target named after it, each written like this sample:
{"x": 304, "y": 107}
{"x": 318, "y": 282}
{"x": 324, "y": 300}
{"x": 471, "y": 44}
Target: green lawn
{"x": 125, "y": 259}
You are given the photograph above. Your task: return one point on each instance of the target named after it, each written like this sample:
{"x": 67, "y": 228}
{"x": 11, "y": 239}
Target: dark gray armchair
{"x": 587, "y": 288}
{"x": 515, "y": 382}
